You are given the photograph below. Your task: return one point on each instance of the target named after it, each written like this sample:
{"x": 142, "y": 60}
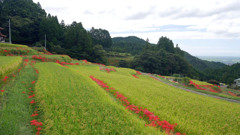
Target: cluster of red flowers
{"x": 205, "y": 87}
{"x": 47, "y": 52}
{"x": 161, "y": 76}
{"x": 137, "y": 73}
{"x": 232, "y": 94}
{"x": 143, "y": 113}
{"x": 38, "y": 126}
{"x": 65, "y": 63}
{"x": 2, "y": 90}
{"x": 135, "y": 76}
{"x": 17, "y": 51}
{"x": 85, "y": 61}
{"x": 5, "y": 78}
{"x": 107, "y": 69}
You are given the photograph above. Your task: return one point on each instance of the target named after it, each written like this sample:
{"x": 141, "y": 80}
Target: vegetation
{"x": 190, "y": 111}
{"x": 73, "y": 104}
{"x": 12, "y": 45}
{"x": 8, "y": 65}
{"x": 15, "y": 110}
{"x": 131, "y": 44}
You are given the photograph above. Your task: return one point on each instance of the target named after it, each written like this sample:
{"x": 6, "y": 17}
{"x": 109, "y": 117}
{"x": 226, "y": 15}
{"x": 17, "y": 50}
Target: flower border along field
{"x": 194, "y": 114}
{"x": 73, "y": 104}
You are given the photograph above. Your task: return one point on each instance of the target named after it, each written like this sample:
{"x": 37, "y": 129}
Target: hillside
{"x": 202, "y": 65}
{"x": 131, "y": 44}
{"x": 53, "y": 94}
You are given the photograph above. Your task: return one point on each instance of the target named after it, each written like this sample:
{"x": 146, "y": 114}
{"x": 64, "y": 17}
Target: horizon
{"x": 198, "y": 27}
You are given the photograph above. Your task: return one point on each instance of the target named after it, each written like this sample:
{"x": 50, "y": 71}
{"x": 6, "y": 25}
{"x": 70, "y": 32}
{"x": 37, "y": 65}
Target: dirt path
{"x": 227, "y": 99}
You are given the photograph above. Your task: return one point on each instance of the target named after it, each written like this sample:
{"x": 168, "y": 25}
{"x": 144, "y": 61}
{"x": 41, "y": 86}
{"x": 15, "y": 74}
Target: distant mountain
{"x": 202, "y": 65}
{"x": 223, "y": 59}
{"x": 131, "y": 44}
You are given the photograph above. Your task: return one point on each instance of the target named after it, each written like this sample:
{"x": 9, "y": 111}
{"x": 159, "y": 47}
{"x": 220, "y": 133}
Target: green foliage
{"x": 131, "y": 44}
{"x": 101, "y": 37}
{"x": 166, "y": 44}
{"x": 202, "y": 65}
{"x": 25, "y": 19}
{"x": 225, "y": 74}
{"x": 162, "y": 62}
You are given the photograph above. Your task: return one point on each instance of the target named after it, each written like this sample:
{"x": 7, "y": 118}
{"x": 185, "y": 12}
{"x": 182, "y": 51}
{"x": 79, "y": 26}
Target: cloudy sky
{"x": 201, "y": 27}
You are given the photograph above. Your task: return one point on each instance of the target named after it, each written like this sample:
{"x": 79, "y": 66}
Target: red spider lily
{"x": 138, "y": 72}
{"x": 37, "y": 71}
{"x": 32, "y": 102}
{"x": 5, "y": 78}
{"x": 31, "y": 96}
{"x": 34, "y": 115}
{"x": 135, "y": 76}
{"x": 85, "y": 61}
{"x": 26, "y": 60}
{"x": 6, "y": 50}
{"x": 36, "y": 123}
{"x": 233, "y": 94}
{"x": 2, "y": 90}
{"x": 33, "y": 82}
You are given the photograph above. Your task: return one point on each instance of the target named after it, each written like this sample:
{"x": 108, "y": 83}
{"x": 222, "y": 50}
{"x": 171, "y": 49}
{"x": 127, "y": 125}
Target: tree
{"x": 166, "y": 44}
{"x": 101, "y": 37}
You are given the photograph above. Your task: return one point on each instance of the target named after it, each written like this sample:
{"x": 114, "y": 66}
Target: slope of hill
{"x": 131, "y": 44}
{"x": 202, "y": 65}
{"x": 88, "y": 98}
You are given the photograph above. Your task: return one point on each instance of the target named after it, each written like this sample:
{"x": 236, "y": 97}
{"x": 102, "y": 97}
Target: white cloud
{"x": 207, "y": 19}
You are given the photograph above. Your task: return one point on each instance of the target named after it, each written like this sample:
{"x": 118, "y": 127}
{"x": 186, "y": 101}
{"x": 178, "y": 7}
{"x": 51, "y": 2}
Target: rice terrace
{"x": 119, "y": 67}
{"x": 42, "y": 93}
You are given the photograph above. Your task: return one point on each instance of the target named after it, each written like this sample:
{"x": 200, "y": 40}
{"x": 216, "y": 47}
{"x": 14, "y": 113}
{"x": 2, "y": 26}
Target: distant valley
{"x": 228, "y": 60}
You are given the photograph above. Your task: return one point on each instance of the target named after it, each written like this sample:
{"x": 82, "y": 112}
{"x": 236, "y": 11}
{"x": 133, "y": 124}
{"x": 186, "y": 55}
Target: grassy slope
{"x": 74, "y": 104}
{"x": 8, "y": 64}
{"x": 195, "y": 114}
{"x": 12, "y": 45}
{"x": 15, "y": 114}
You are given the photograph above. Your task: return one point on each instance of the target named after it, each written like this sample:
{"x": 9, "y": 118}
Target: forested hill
{"x": 131, "y": 44}
{"x": 202, "y": 65}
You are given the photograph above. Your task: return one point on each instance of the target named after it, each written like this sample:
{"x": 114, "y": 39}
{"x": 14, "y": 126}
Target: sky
{"x": 200, "y": 27}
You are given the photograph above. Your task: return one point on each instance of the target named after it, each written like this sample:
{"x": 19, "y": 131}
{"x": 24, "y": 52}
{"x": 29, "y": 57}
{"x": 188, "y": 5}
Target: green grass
{"x": 200, "y": 82}
{"x": 194, "y": 114}
{"x": 16, "y": 111}
{"x": 8, "y": 65}
{"x": 12, "y": 45}
{"x": 74, "y": 104}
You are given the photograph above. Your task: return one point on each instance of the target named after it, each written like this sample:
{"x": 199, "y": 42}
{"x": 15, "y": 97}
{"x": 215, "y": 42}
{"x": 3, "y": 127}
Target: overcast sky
{"x": 201, "y": 27}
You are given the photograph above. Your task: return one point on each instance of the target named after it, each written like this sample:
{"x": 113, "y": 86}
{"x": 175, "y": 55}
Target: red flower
{"x": 23, "y": 92}
{"x": 33, "y": 82}
{"x": 31, "y": 96}
{"x": 2, "y": 90}
{"x": 5, "y": 78}
{"x": 34, "y": 115}
{"x": 32, "y": 102}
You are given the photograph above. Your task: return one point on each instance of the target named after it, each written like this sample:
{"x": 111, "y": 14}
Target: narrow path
{"x": 227, "y": 99}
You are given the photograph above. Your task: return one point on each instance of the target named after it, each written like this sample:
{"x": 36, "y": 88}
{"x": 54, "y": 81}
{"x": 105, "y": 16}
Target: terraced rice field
{"x": 55, "y": 96}
{"x": 73, "y": 104}
{"x": 194, "y": 114}
{"x": 8, "y": 64}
